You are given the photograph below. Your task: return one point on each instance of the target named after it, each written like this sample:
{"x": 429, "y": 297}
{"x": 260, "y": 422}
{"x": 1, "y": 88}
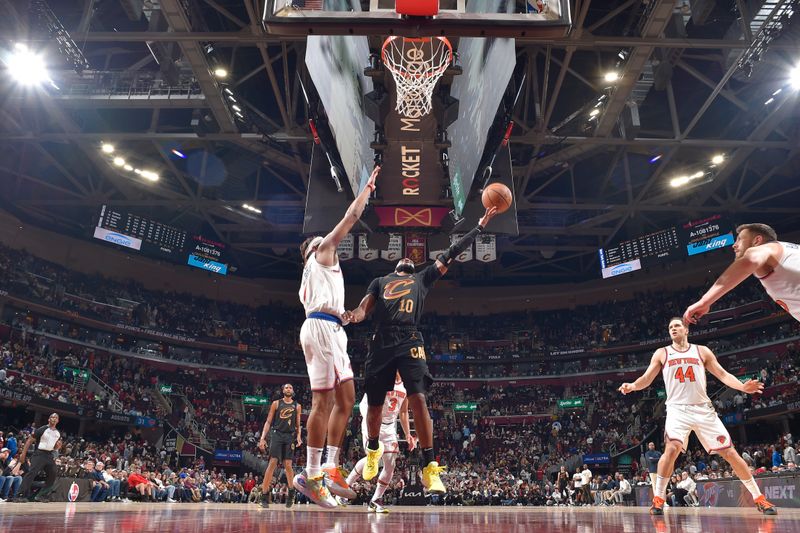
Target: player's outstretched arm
{"x": 644, "y": 381}
{"x": 711, "y": 363}
{"x": 360, "y": 313}
{"x": 753, "y": 259}
{"x": 458, "y": 247}
{"x": 326, "y": 252}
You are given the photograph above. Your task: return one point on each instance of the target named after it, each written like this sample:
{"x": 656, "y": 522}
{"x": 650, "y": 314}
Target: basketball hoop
{"x": 416, "y": 65}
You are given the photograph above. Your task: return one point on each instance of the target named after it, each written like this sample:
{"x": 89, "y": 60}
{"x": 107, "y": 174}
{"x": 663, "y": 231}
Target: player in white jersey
{"x": 758, "y": 252}
{"x": 683, "y": 367}
{"x": 324, "y": 345}
{"x": 394, "y": 406}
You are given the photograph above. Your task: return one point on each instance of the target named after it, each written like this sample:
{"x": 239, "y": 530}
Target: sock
{"x": 653, "y": 479}
{"x": 379, "y": 490}
{"x": 660, "y": 489}
{"x": 356, "y": 473}
{"x": 372, "y": 443}
{"x": 332, "y": 455}
{"x": 752, "y": 487}
{"x": 427, "y": 456}
{"x": 313, "y": 459}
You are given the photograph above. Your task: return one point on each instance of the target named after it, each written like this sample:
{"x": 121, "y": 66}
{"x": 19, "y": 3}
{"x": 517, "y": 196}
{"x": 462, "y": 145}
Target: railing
{"x": 97, "y": 386}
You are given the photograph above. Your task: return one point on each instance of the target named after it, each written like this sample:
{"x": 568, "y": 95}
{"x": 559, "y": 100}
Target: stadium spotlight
{"x": 150, "y": 175}
{"x": 611, "y": 76}
{"x": 26, "y": 67}
{"x": 679, "y": 181}
{"x": 107, "y": 148}
{"x": 128, "y": 167}
{"x": 794, "y": 77}
{"x": 717, "y": 159}
{"x": 220, "y": 73}
{"x": 594, "y": 112}
{"x": 118, "y": 161}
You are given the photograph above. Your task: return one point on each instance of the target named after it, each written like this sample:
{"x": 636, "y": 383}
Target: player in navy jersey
{"x": 397, "y": 346}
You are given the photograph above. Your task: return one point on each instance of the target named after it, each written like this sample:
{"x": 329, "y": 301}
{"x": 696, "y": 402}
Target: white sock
{"x": 660, "y": 489}
{"x": 357, "y": 470}
{"x": 752, "y": 487}
{"x": 379, "y": 490}
{"x": 332, "y": 455}
{"x": 313, "y": 460}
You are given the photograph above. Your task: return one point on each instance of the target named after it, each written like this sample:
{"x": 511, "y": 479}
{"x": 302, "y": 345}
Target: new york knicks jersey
{"x": 391, "y": 405}
{"x": 322, "y": 288}
{"x": 684, "y": 376}
{"x": 783, "y": 283}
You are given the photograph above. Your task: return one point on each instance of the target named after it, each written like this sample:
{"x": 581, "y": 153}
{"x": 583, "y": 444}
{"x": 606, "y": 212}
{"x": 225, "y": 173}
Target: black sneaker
{"x": 290, "y": 498}
{"x": 265, "y": 500}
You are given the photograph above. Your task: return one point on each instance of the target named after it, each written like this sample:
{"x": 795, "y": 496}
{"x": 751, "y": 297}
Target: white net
{"x": 416, "y": 65}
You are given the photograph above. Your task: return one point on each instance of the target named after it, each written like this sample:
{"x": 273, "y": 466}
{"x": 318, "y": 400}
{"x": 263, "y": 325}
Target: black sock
{"x": 372, "y": 444}
{"x": 427, "y": 456}
{"x": 291, "y": 493}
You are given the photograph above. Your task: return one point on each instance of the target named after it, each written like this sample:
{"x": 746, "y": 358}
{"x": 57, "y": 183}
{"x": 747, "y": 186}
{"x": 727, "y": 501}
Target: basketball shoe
{"x": 376, "y": 506}
{"x": 658, "y": 506}
{"x": 431, "y": 479}
{"x": 337, "y": 482}
{"x": 373, "y": 460}
{"x": 290, "y": 498}
{"x": 764, "y": 506}
{"x": 315, "y": 489}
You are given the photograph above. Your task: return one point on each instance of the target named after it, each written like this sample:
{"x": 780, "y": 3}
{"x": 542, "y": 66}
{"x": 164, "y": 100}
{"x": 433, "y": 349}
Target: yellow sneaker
{"x": 431, "y": 479}
{"x": 373, "y": 460}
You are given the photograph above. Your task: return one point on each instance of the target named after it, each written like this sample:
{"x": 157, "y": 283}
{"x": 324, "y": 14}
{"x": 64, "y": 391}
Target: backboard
{"x": 461, "y": 18}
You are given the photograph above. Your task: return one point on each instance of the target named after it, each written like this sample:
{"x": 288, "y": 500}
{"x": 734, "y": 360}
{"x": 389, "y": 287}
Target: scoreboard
{"x": 157, "y": 239}
{"x": 676, "y": 242}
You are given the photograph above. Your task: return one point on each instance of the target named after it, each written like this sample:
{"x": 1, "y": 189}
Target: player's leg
{"x": 316, "y": 338}
{"x": 676, "y": 435}
{"x": 384, "y": 479}
{"x": 714, "y": 437}
{"x": 343, "y": 406}
{"x": 380, "y": 370}
{"x": 417, "y": 380}
{"x": 287, "y": 466}
{"x": 267, "y": 483}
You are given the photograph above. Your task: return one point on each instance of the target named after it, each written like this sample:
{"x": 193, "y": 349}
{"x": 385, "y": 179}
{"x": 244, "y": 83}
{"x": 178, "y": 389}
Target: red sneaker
{"x": 764, "y": 506}
{"x": 658, "y": 506}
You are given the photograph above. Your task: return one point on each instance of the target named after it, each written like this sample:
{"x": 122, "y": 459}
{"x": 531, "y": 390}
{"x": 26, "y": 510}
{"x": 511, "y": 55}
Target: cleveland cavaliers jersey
{"x": 684, "y": 376}
{"x": 391, "y": 406}
{"x": 783, "y": 283}
{"x": 286, "y": 417}
{"x": 322, "y": 288}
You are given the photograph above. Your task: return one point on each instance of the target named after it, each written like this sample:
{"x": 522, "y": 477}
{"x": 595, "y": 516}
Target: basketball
{"x": 497, "y": 195}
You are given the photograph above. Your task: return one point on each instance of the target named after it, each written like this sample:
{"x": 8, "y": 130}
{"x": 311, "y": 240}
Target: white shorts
{"x": 388, "y": 437}
{"x": 325, "y": 348}
{"x": 703, "y": 420}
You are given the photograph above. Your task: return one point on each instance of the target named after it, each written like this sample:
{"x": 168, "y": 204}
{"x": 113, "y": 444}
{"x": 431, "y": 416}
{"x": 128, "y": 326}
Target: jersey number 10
{"x": 682, "y": 376}
{"x": 407, "y": 306}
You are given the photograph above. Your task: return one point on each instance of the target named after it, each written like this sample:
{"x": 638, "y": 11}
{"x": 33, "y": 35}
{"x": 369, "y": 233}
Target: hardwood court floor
{"x": 219, "y": 518}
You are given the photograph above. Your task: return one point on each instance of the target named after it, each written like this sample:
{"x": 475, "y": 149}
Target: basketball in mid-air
{"x": 497, "y": 195}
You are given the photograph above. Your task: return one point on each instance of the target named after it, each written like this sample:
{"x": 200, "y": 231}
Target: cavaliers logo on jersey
{"x": 286, "y": 413}
{"x": 397, "y": 289}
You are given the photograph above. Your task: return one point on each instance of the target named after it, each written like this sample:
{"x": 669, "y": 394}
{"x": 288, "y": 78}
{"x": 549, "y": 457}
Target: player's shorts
{"x": 700, "y": 418}
{"x": 325, "y": 348}
{"x": 388, "y": 437}
{"x": 391, "y": 351}
{"x": 280, "y": 445}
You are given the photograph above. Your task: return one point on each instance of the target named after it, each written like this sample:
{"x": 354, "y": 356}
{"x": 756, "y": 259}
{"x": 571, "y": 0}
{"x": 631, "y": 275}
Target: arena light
{"x": 128, "y": 167}
{"x": 594, "y": 112}
{"x": 150, "y": 175}
{"x": 251, "y": 208}
{"x": 611, "y": 76}
{"x": 27, "y": 67}
{"x": 220, "y": 73}
{"x": 717, "y": 159}
{"x": 794, "y": 78}
{"x": 178, "y": 153}
{"x": 118, "y": 161}
{"x": 236, "y": 108}
{"x": 107, "y": 148}
{"x": 655, "y": 158}
{"x": 679, "y": 181}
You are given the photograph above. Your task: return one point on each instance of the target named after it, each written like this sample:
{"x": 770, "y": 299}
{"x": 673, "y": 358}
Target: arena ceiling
{"x": 698, "y": 73}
